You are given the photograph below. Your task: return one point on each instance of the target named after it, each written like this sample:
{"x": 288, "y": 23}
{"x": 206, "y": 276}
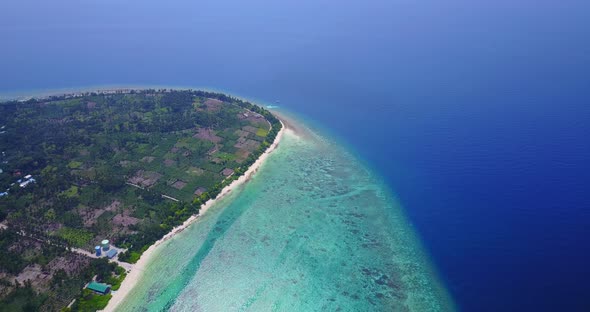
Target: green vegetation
{"x": 10, "y": 261}
{"x": 89, "y": 301}
{"x": 130, "y": 256}
{"x": 116, "y": 280}
{"x": 104, "y": 166}
{"x": 261, "y": 132}
{"x": 71, "y": 192}
{"x": 74, "y": 164}
{"x": 106, "y": 272}
{"x": 75, "y": 237}
{"x": 61, "y": 288}
{"x": 23, "y": 298}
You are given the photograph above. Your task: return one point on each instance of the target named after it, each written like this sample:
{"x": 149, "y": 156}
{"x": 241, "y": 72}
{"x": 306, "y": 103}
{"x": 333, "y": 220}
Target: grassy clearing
{"x": 74, "y": 164}
{"x": 71, "y": 192}
{"x": 75, "y": 237}
{"x": 261, "y": 132}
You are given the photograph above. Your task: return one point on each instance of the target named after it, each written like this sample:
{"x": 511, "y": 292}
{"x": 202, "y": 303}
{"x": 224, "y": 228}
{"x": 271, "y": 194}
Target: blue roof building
{"x": 100, "y": 288}
{"x": 111, "y": 253}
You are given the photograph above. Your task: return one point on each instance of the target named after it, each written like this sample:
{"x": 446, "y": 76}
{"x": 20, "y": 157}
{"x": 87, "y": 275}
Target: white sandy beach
{"x": 138, "y": 268}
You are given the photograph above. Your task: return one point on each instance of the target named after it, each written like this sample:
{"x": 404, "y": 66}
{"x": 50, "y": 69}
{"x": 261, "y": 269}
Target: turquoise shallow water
{"x": 313, "y": 230}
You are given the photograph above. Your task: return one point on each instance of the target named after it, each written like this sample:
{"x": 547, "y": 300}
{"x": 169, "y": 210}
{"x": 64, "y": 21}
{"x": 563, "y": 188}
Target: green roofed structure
{"x": 100, "y": 288}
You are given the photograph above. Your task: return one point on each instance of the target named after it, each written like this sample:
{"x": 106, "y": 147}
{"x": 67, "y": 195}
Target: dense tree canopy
{"x": 127, "y": 166}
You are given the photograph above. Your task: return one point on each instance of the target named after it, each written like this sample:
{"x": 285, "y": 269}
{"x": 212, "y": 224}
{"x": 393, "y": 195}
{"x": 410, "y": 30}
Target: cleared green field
{"x": 76, "y": 237}
{"x": 262, "y": 132}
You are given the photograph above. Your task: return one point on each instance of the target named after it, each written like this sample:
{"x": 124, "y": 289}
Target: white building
{"x": 27, "y": 182}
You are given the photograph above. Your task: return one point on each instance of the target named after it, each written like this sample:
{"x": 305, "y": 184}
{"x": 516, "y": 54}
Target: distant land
{"x": 90, "y": 180}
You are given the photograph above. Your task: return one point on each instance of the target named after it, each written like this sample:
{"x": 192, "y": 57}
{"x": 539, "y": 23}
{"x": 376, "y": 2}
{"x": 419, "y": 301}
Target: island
{"x": 90, "y": 181}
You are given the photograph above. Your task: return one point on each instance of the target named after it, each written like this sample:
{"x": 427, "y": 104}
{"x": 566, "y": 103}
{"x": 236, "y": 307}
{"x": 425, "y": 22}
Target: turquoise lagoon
{"x": 313, "y": 230}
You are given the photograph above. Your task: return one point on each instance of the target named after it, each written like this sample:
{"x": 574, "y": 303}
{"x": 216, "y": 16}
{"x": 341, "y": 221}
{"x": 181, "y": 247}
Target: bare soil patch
{"x": 148, "y": 159}
{"x": 115, "y": 205}
{"x": 208, "y": 135}
{"x": 247, "y": 144}
{"x": 169, "y": 162}
{"x": 71, "y": 263}
{"x": 34, "y": 274}
{"x": 195, "y": 171}
{"x": 213, "y": 104}
{"x": 145, "y": 178}
{"x": 125, "y": 219}
{"x": 227, "y": 172}
{"x": 242, "y": 133}
{"x": 179, "y": 185}
{"x": 125, "y": 163}
{"x": 250, "y": 129}
{"x": 241, "y": 155}
{"x": 200, "y": 191}
{"x": 89, "y": 216}
{"x": 252, "y": 117}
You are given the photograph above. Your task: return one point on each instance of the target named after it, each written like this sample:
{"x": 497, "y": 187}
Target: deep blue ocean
{"x": 477, "y": 113}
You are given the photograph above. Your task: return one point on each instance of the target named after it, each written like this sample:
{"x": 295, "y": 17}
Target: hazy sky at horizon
{"x": 412, "y": 38}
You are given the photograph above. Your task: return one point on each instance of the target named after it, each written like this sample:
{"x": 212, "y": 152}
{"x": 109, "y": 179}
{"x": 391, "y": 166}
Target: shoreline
{"x": 137, "y": 269}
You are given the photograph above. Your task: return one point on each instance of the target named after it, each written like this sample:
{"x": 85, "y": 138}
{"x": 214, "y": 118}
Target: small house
{"x": 27, "y": 182}
{"x": 99, "y": 288}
